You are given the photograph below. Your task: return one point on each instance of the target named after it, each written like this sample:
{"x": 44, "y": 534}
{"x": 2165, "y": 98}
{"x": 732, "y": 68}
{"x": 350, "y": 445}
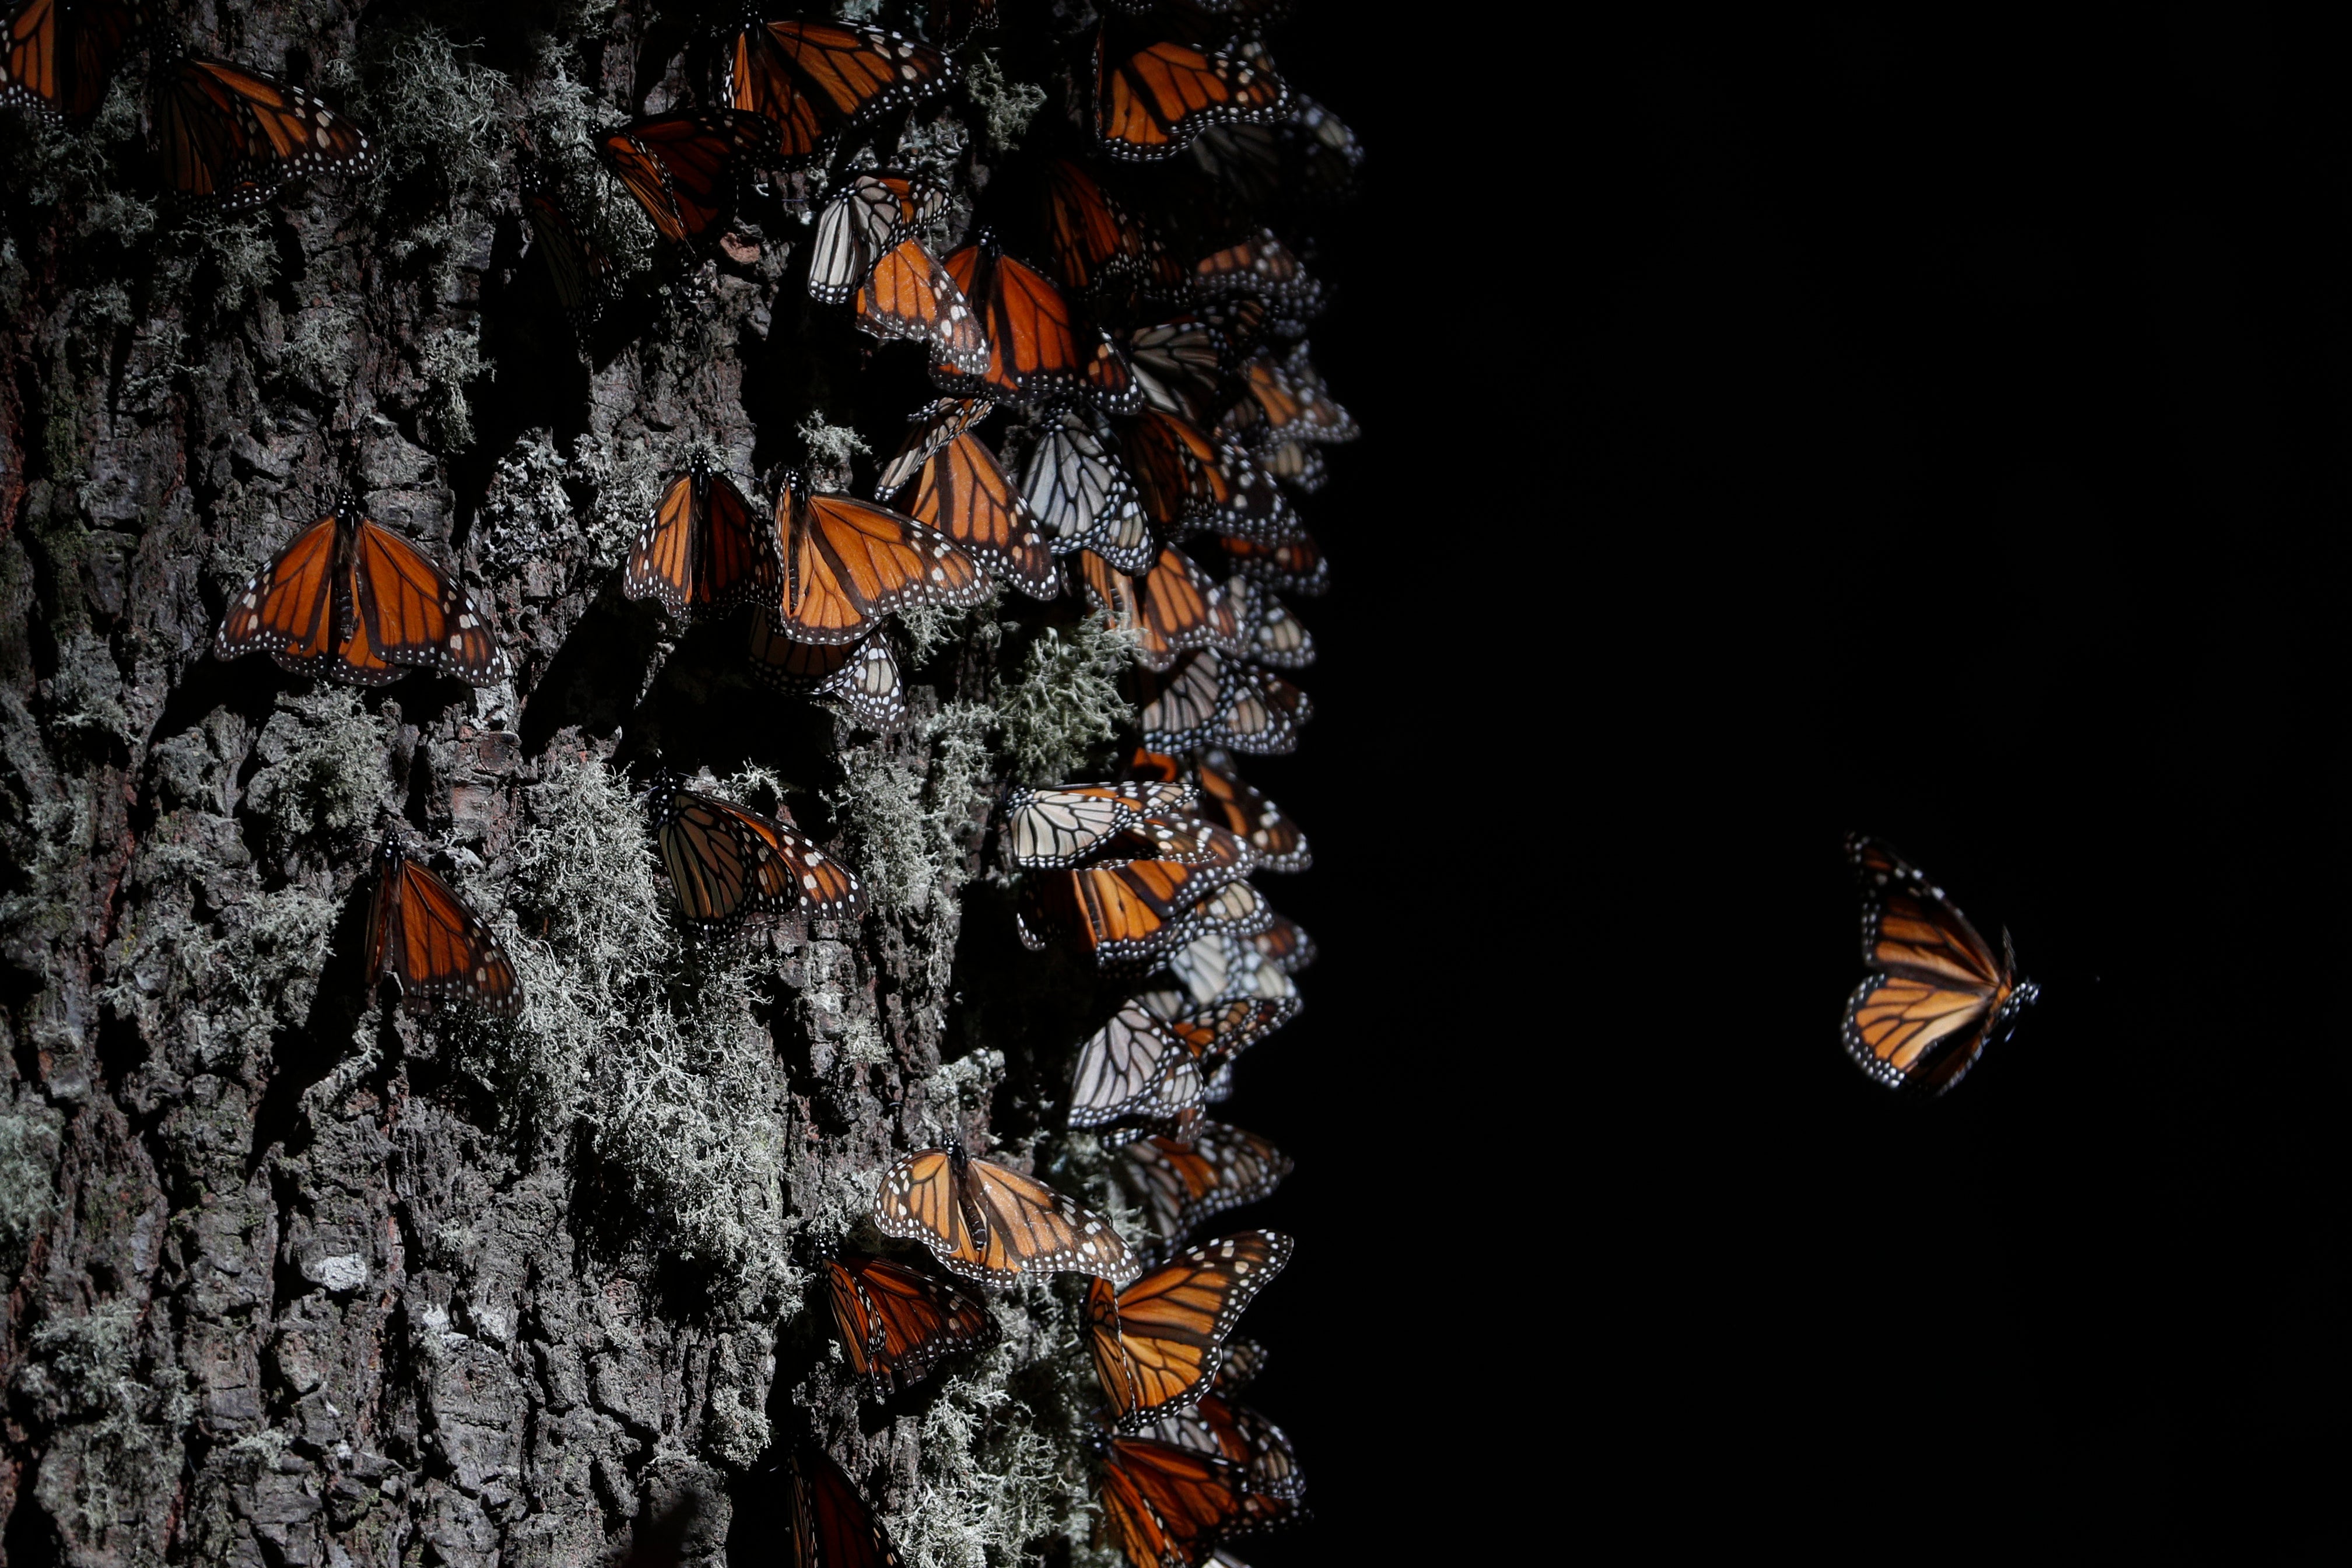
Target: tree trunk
{"x": 299, "y": 1278}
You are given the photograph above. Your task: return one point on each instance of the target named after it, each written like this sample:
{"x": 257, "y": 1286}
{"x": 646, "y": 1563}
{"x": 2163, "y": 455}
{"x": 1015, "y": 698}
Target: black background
{"x": 1922, "y": 420}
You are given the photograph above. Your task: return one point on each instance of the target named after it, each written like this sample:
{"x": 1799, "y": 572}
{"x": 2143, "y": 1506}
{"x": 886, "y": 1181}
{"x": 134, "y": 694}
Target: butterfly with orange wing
{"x": 704, "y": 549}
{"x": 1167, "y": 1506}
{"x": 1154, "y": 93}
{"x": 1183, "y": 1181}
{"x": 1171, "y": 607}
{"x": 963, "y": 493}
{"x": 684, "y": 169}
{"x": 60, "y": 55}
{"x": 832, "y": 1526}
{"x": 926, "y": 431}
{"x": 1226, "y": 798}
{"x": 895, "y": 1324}
{"x": 229, "y": 139}
{"x": 860, "y": 223}
{"x": 909, "y": 295}
{"x": 352, "y": 601}
{"x": 1236, "y": 1432}
{"x": 422, "y": 934}
{"x": 1133, "y": 909}
{"x": 727, "y": 863}
{"x": 1939, "y": 994}
{"x": 1295, "y": 565}
{"x": 814, "y": 81}
{"x": 862, "y": 676}
{"x": 1158, "y": 1342}
{"x": 580, "y": 272}
{"x": 1187, "y": 479}
{"x": 1096, "y": 246}
{"x": 992, "y": 1225}
{"x": 1037, "y": 350}
{"x": 848, "y": 562}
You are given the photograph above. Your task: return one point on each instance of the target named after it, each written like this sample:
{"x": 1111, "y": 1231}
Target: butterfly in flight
{"x": 352, "y": 601}
{"x": 848, "y": 562}
{"x": 1938, "y": 993}
{"x": 580, "y": 273}
{"x": 862, "y": 676}
{"x": 1061, "y": 827}
{"x": 1181, "y": 1183}
{"x": 684, "y": 169}
{"x": 422, "y": 934}
{"x": 992, "y": 1225}
{"x": 895, "y": 1324}
{"x": 60, "y": 55}
{"x": 1081, "y": 496}
{"x": 962, "y": 493}
{"x": 814, "y": 81}
{"x": 1154, "y": 94}
{"x": 1158, "y": 1342}
{"x": 832, "y": 1526}
{"x": 704, "y": 549}
{"x": 861, "y": 221}
{"x": 229, "y": 139}
{"x": 727, "y": 862}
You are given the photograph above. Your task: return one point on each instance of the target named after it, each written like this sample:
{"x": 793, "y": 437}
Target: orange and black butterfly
{"x": 1146, "y": 1065}
{"x": 1044, "y": 828}
{"x": 1228, "y": 799}
{"x": 1096, "y": 246}
{"x": 1081, "y": 494}
{"x": 1188, "y": 479}
{"x": 927, "y": 432}
{"x": 704, "y": 549}
{"x": 1295, "y": 565}
{"x": 895, "y": 1324}
{"x": 848, "y": 562}
{"x": 423, "y": 936}
{"x": 963, "y": 494}
{"x": 60, "y": 55}
{"x": 229, "y": 139}
{"x": 832, "y": 1526}
{"x": 684, "y": 169}
{"x": 350, "y": 600}
{"x": 1159, "y": 1340}
{"x": 1133, "y": 909}
{"x": 909, "y": 295}
{"x": 992, "y": 1225}
{"x": 1180, "y": 363}
{"x": 1172, "y": 607}
{"x": 1183, "y": 1183}
{"x": 1036, "y": 349}
{"x": 1154, "y": 94}
{"x": 1237, "y": 1433}
{"x": 1286, "y": 400}
{"x": 1166, "y": 1506}
{"x": 812, "y": 81}
{"x": 862, "y": 676}
{"x": 1262, "y": 269}
{"x": 1285, "y": 945}
{"x": 1939, "y": 995}
{"x": 582, "y": 274}
{"x": 727, "y": 862}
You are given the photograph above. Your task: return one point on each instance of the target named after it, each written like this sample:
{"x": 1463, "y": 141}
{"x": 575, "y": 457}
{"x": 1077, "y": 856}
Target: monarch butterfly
{"x": 1220, "y": 968}
{"x": 964, "y": 494}
{"x": 1184, "y": 477}
{"x": 992, "y": 1225}
{"x": 1182, "y": 1184}
{"x": 1296, "y": 464}
{"x": 1185, "y": 709}
{"x": 229, "y": 139}
{"x": 580, "y": 273}
{"x": 933, "y": 428}
{"x": 1271, "y": 835}
{"x": 862, "y": 221}
{"x": 1305, "y": 160}
{"x": 832, "y": 1526}
{"x": 61, "y": 56}
{"x": 909, "y": 295}
{"x": 1270, "y": 634}
{"x": 352, "y": 601}
{"x": 1263, "y": 268}
{"x": 815, "y": 81}
{"x": 423, "y": 936}
{"x": 1172, "y": 607}
{"x": 1287, "y": 401}
{"x": 848, "y": 562}
{"x": 727, "y": 862}
{"x": 683, "y": 168}
{"x": 1179, "y": 363}
{"x": 702, "y": 548}
{"x": 863, "y": 678}
{"x": 1156, "y": 1343}
{"x": 1295, "y": 565}
{"x": 895, "y": 1324}
{"x": 1142, "y": 1064}
{"x": 1034, "y": 351}
{"x": 1285, "y": 945}
{"x": 1237, "y": 1432}
{"x": 1939, "y": 995}
{"x": 1237, "y": 907}
{"x": 1081, "y": 496}
{"x": 1164, "y": 1506}
{"x": 1151, "y": 100}
{"x": 1060, "y": 827}
{"x": 1095, "y": 245}
{"x": 1131, "y": 909}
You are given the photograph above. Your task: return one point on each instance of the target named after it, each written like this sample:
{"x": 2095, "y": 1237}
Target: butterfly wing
{"x": 683, "y": 168}
{"x": 59, "y": 56}
{"x": 1150, "y": 100}
{"x": 1136, "y": 1065}
{"x": 866, "y": 218}
{"x": 1162, "y": 1336}
{"x": 897, "y": 1324}
{"x": 228, "y": 138}
{"x": 1182, "y": 1184}
{"x": 849, "y": 562}
{"x": 1083, "y": 497}
{"x": 796, "y": 871}
{"x": 702, "y": 549}
{"x": 1941, "y": 994}
{"x": 721, "y": 870}
{"x": 1266, "y": 710}
{"x": 946, "y": 419}
{"x": 832, "y": 1526}
{"x": 1164, "y": 1505}
{"x": 1095, "y": 245}
{"x": 416, "y": 614}
{"x": 1296, "y": 565}
{"x": 582, "y": 274}
{"x": 864, "y": 676}
{"x": 1033, "y": 346}
{"x": 909, "y": 295}
{"x": 1185, "y": 709}
{"x": 1033, "y": 1229}
{"x": 964, "y": 494}
{"x": 916, "y": 1200}
{"x": 287, "y": 609}
{"x": 1226, "y": 798}
{"x": 1271, "y": 635}
{"x": 423, "y": 934}
{"x": 1048, "y": 828}
{"x": 815, "y": 79}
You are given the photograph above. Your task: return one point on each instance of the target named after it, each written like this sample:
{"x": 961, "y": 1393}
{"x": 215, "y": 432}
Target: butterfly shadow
{"x": 303, "y": 1056}
{"x": 594, "y": 681}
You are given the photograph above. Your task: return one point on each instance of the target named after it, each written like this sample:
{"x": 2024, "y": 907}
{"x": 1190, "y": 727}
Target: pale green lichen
{"x": 322, "y": 341}
{"x": 1067, "y": 702}
{"x": 1006, "y": 107}
{"x": 28, "y": 1162}
{"x": 324, "y": 774}
{"x": 912, "y": 822}
{"x": 448, "y": 359}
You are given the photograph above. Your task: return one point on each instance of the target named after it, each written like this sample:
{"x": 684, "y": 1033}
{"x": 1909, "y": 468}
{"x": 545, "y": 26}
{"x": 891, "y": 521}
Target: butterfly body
{"x": 847, "y": 563}
{"x": 703, "y": 549}
{"x": 727, "y": 863}
{"x": 423, "y": 935}
{"x": 992, "y": 1225}
{"x": 1939, "y": 994}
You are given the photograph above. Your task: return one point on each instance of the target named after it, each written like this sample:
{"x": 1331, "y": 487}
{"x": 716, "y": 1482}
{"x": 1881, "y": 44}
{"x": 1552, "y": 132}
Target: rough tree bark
{"x": 297, "y": 1278}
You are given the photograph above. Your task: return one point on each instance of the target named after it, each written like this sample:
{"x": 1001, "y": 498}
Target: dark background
{"x": 1927, "y": 420}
